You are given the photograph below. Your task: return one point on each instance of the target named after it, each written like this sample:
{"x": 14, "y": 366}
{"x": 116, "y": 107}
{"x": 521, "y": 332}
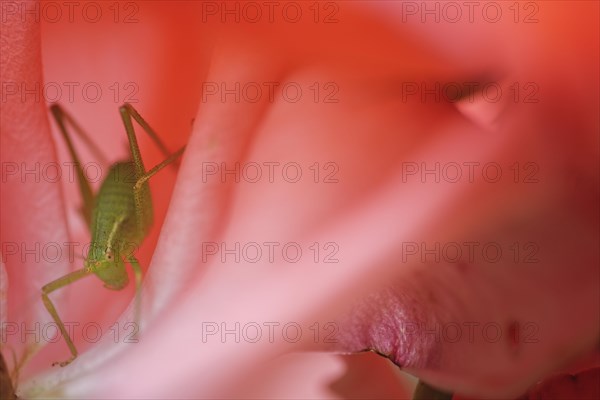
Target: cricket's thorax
{"x": 115, "y": 233}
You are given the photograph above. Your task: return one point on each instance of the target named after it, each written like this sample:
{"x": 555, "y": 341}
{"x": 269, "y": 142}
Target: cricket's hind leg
{"x": 142, "y": 199}
{"x": 63, "y": 118}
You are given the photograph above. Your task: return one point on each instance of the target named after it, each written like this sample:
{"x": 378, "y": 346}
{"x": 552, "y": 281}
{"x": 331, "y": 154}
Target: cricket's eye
{"x": 109, "y": 254}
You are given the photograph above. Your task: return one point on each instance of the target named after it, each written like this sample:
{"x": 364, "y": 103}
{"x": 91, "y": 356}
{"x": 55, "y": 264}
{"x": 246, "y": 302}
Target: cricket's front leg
{"x": 51, "y": 287}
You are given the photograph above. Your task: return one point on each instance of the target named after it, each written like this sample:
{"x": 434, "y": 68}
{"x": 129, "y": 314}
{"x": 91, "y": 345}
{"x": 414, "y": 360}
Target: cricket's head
{"x": 109, "y": 267}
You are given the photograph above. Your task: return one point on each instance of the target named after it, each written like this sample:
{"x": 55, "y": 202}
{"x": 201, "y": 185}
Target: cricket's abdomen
{"x": 114, "y": 221}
